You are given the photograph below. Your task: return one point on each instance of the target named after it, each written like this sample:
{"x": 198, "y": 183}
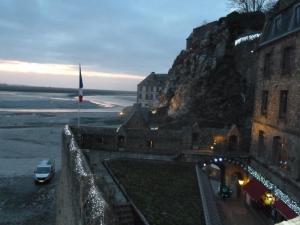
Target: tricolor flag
{"x": 80, "y": 96}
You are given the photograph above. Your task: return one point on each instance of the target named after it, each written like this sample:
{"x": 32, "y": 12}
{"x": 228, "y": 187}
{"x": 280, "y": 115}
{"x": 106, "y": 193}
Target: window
{"x": 277, "y": 25}
{"x": 287, "y": 60}
{"x": 261, "y": 142}
{"x": 150, "y": 144}
{"x": 283, "y": 155}
{"x": 297, "y": 15}
{"x": 276, "y": 149}
{"x": 267, "y": 65}
{"x": 101, "y": 140}
{"x": 264, "y": 103}
{"x": 283, "y": 104}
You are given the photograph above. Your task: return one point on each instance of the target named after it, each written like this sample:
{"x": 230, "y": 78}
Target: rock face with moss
{"x": 212, "y": 79}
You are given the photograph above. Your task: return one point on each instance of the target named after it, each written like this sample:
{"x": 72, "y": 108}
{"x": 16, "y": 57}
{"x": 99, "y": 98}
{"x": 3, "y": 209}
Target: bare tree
{"x": 251, "y": 5}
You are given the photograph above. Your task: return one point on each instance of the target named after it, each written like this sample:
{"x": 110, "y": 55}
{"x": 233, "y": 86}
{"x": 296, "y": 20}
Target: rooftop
{"x": 154, "y": 79}
{"x": 284, "y": 21}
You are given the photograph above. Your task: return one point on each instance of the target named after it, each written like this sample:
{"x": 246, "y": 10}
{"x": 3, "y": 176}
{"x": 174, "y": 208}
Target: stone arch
{"x": 233, "y": 138}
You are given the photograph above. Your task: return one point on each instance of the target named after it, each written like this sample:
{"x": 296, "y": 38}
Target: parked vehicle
{"x": 44, "y": 171}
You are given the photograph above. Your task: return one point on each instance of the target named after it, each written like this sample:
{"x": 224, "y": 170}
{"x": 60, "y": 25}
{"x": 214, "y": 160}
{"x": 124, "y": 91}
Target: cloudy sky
{"x": 118, "y": 42}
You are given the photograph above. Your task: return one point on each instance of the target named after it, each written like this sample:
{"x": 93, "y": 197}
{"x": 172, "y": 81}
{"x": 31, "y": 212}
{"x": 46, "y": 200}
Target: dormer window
{"x": 277, "y": 24}
{"x": 297, "y": 15}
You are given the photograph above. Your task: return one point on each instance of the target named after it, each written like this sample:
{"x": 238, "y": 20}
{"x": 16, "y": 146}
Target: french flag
{"x": 80, "y": 94}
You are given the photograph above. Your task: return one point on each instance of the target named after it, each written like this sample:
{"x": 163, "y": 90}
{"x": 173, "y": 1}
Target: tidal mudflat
{"x": 29, "y": 134}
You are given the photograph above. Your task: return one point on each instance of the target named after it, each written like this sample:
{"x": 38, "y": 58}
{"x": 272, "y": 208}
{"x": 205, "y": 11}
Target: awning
{"x": 255, "y": 189}
{"x": 295, "y": 221}
{"x": 284, "y": 210}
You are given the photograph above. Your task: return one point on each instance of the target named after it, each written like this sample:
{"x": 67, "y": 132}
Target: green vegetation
{"x": 166, "y": 193}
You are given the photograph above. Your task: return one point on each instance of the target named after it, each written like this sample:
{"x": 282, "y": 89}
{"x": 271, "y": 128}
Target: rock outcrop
{"x": 212, "y": 79}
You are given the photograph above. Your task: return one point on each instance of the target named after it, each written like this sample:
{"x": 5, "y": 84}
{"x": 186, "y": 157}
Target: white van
{"x": 44, "y": 171}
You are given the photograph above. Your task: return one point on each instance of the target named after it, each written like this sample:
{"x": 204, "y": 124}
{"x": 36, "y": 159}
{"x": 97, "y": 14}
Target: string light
{"x": 277, "y": 192}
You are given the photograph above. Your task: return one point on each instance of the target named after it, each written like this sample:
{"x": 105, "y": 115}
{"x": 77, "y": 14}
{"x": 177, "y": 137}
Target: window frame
{"x": 267, "y": 70}
{"x": 277, "y": 26}
{"x": 287, "y": 66}
{"x": 264, "y": 103}
{"x": 283, "y": 104}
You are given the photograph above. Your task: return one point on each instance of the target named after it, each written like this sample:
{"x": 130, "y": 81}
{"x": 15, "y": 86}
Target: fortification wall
{"x": 79, "y": 200}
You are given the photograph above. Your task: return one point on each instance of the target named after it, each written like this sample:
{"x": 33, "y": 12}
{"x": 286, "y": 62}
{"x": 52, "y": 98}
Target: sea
{"x": 31, "y": 123}
{"x": 12, "y": 101}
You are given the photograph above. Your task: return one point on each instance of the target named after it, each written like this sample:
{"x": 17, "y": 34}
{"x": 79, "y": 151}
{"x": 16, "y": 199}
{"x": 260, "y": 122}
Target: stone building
{"x": 276, "y": 123}
{"x": 148, "y": 90}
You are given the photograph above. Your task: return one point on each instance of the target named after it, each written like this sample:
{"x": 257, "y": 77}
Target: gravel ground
{"x": 23, "y": 202}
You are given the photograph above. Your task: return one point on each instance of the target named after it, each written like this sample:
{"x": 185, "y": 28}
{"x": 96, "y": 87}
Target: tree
{"x": 251, "y": 5}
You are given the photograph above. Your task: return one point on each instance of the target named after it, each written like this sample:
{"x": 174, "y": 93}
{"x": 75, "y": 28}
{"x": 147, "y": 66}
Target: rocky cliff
{"x": 212, "y": 80}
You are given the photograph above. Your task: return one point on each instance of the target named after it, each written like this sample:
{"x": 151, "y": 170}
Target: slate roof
{"x": 138, "y": 118}
{"x": 157, "y": 79}
{"x": 282, "y": 22}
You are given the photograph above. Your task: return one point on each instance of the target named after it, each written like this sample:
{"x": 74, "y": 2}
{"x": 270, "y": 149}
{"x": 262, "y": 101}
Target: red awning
{"x": 255, "y": 189}
{"x": 284, "y": 210}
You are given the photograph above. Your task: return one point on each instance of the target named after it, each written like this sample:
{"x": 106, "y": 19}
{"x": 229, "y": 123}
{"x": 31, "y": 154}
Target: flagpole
{"x": 80, "y": 96}
{"x": 78, "y": 114}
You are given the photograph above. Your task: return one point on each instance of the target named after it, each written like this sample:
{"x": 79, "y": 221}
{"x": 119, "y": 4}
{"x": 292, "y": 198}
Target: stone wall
{"x": 79, "y": 200}
{"x": 288, "y": 128}
{"x": 132, "y": 140}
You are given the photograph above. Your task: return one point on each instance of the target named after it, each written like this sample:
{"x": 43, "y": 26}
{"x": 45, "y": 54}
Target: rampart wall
{"x": 79, "y": 199}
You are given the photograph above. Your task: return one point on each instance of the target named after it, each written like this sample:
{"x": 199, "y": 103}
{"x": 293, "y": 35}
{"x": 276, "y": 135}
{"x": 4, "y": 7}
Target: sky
{"x": 117, "y": 42}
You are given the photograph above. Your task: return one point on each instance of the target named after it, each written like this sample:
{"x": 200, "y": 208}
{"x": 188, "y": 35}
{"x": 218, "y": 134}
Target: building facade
{"x": 275, "y": 144}
{"x": 149, "y": 90}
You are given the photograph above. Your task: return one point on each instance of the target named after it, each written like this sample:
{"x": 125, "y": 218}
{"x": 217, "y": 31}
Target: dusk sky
{"x": 118, "y": 42}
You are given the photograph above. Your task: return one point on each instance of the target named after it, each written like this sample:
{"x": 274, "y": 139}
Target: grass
{"x": 166, "y": 193}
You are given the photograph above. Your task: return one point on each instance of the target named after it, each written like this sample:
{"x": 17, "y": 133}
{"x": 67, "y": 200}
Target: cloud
{"x": 57, "y": 69}
{"x": 112, "y": 36}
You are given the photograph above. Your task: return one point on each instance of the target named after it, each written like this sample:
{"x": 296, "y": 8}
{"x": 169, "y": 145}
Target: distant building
{"x": 276, "y": 124}
{"x": 148, "y": 91}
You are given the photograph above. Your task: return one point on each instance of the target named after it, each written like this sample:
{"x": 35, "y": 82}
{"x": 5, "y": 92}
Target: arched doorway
{"x": 235, "y": 185}
{"x": 233, "y": 143}
{"x": 195, "y": 140}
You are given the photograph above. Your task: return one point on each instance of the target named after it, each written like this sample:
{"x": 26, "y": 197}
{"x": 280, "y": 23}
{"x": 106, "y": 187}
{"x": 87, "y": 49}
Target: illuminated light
{"x": 277, "y": 192}
{"x": 241, "y": 182}
{"x": 204, "y": 164}
{"x": 216, "y": 160}
{"x": 220, "y": 159}
{"x": 121, "y": 113}
{"x": 268, "y": 199}
{"x": 154, "y": 111}
{"x": 212, "y": 147}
